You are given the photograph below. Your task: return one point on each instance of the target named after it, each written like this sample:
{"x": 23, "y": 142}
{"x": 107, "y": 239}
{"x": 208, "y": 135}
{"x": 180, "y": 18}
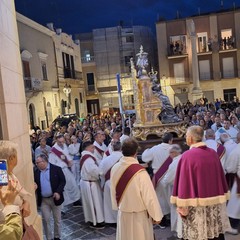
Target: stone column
{"x": 196, "y": 90}
{"x": 13, "y": 112}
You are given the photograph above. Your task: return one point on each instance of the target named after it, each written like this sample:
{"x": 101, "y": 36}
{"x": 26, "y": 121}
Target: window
{"x": 26, "y": 69}
{"x": 90, "y": 82}
{"x": 77, "y": 107}
{"x": 80, "y": 97}
{"x": 228, "y": 67}
{"x": 26, "y": 74}
{"x": 229, "y": 94}
{"x": 129, "y": 39}
{"x": 44, "y": 70}
{"x": 127, "y": 60}
{"x": 202, "y": 42}
{"x": 204, "y": 70}
{"x": 87, "y": 56}
{"x": 177, "y": 45}
{"x": 63, "y": 106}
{"x": 179, "y": 72}
{"x": 68, "y": 66}
{"x": 227, "y": 40}
{"x": 43, "y": 60}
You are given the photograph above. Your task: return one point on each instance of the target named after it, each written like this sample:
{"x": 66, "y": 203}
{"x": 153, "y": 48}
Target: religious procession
{"x": 121, "y": 177}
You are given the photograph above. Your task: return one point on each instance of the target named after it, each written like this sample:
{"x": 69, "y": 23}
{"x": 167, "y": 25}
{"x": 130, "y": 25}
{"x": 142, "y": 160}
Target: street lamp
{"x": 67, "y": 90}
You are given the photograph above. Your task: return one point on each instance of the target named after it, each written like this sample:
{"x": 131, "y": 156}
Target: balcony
{"x": 91, "y": 88}
{"x": 32, "y": 84}
{"x": 177, "y": 49}
{"x": 228, "y": 74}
{"x": 69, "y": 73}
{"x": 204, "y": 76}
{"x": 87, "y": 59}
{"x": 179, "y": 81}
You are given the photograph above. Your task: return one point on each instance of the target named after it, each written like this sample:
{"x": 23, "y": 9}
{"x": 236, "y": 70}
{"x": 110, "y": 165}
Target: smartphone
{"x": 3, "y": 172}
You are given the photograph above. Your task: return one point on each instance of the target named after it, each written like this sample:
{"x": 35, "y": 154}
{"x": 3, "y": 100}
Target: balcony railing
{"x": 177, "y": 48}
{"x": 91, "y": 88}
{"x": 69, "y": 73}
{"x": 204, "y": 75}
{"x": 31, "y": 83}
{"x": 179, "y": 80}
{"x": 87, "y": 59}
{"x": 228, "y": 74}
{"x": 27, "y": 83}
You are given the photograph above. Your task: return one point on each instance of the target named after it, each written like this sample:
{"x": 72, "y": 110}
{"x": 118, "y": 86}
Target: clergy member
{"x": 134, "y": 197}
{"x": 200, "y": 191}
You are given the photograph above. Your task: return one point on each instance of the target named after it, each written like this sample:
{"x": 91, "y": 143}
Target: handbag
{"x": 29, "y": 233}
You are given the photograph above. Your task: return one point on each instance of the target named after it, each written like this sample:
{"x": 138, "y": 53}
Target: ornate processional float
{"x": 154, "y": 113}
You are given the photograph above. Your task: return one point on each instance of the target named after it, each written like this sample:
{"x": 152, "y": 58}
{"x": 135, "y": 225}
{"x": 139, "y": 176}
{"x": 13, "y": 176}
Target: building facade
{"x": 106, "y": 52}
{"x": 218, "y": 56}
{"x": 39, "y": 71}
{"x": 50, "y": 62}
{"x": 69, "y": 73}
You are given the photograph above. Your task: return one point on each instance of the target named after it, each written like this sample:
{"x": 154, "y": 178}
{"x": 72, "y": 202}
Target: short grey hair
{"x": 175, "y": 148}
{"x": 196, "y": 133}
{"x": 43, "y": 156}
{"x": 117, "y": 146}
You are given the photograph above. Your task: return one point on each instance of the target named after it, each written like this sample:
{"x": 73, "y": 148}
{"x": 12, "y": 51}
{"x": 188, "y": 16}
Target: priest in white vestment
{"x": 106, "y": 165}
{"x": 138, "y": 207}
{"x": 100, "y": 147}
{"x": 213, "y": 144}
{"x": 92, "y": 199}
{"x": 233, "y": 206}
{"x": 64, "y": 160}
{"x": 168, "y": 181}
{"x": 158, "y": 155}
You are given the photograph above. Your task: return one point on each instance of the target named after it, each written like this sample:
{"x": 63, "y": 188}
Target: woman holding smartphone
{"x": 8, "y": 151}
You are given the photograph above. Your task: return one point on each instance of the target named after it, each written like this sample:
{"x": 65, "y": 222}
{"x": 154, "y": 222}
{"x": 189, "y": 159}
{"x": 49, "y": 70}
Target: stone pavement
{"x": 74, "y": 228}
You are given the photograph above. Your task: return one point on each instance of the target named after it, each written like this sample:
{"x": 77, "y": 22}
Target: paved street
{"x": 74, "y": 228}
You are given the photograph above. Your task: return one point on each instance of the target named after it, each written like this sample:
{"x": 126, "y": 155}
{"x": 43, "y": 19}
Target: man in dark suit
{"x": 50, "y": 182}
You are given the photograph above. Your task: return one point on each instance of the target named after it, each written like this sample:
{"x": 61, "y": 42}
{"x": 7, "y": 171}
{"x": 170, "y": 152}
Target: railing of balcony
{"x": 28, "y": 83}
{"x": 204, "y": 76}
{"x": 69, "y": 73}
{"x": 228, "y": 74}
{"x": 177, "y": 48}
{"x": 91, "y": 88}
{"x": 179, "y": 80}
{"x": 87, "y": 59}
{"x": 227, "y": 43}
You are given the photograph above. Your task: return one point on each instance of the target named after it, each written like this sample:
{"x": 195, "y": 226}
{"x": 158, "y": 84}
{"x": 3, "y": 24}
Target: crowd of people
{"x": 93, "y": 163}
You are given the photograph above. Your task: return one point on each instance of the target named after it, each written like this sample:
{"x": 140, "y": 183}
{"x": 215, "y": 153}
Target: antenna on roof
{"x": 199, "y": 11}
{"x": 221, "y": 3}
{"x": 234, "y": 6}
{"x": 177, "y": 14}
